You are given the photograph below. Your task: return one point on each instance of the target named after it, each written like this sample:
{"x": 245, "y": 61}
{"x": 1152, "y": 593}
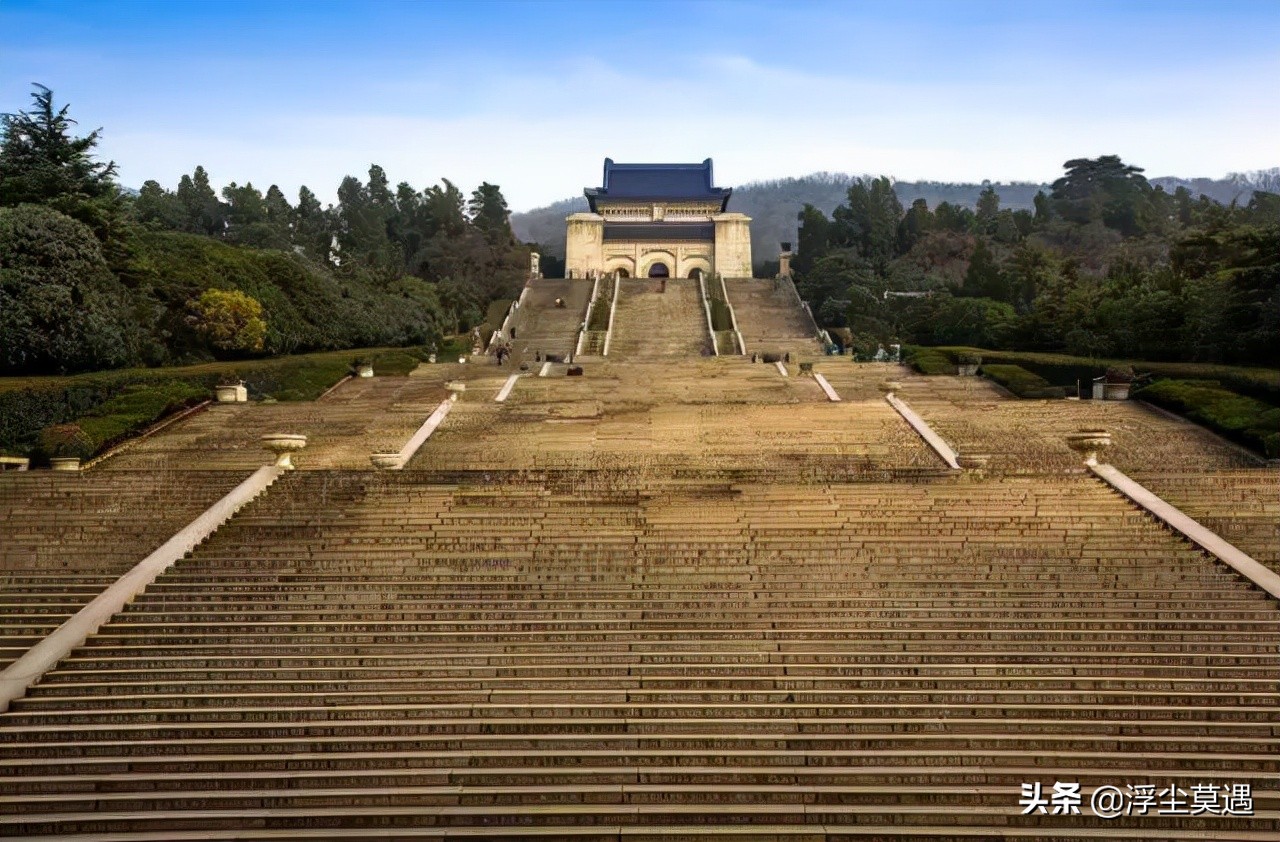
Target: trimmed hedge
{"x": 1240, "y": 418}
{"x": 109, "y": 406}
{"x": 929, "y": 361}
{"x": 1065, "y": 370}
{"x": 127, "y": 413}
{"x": 1021, "y": 382}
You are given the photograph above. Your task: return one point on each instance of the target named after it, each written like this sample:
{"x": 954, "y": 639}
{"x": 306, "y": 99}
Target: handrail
{"x": 613, "y": 308}
{"x": 1207, "y": 540}
{"x": 733, "y": 318}
{"x": 939, "y": 445}
{"x": 586, "y": 320}
{"x": 504, "y": 329}
{"x": 162, "y": 424}
{"x": 424, "y": 432}
{"x": 804, "y": 305}
{"x": 706, "y": 308}
{"x": 18, "y": 678}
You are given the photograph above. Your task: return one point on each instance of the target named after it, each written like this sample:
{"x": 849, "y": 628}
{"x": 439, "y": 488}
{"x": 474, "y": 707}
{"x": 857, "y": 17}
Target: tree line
{"x": 94, "y": 277}
{"x": 1105, "y": 265}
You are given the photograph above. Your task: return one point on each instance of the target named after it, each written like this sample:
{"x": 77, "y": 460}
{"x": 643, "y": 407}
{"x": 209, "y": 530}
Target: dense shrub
{"x": 1021, "y": 382}
{"x": 306, "y": 307}
{"x": 61, "y": 309}
{"x": 1067, "y": 370}
{"x": 1243, "y": 419}
{"x": 928, "y": 360}
{"x": 133, "y": 409}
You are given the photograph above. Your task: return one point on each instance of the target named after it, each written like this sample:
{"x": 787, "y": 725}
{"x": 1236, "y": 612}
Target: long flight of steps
{"x": 653, "y": 321}
{"x": 65, "y": 537}
{"x": 1240, "y": 505}
{"x": 507, "y": 656}
{"x": 543, "y": 327}
{"x": 361, "y": 416}
{"x": 770, "y": 318}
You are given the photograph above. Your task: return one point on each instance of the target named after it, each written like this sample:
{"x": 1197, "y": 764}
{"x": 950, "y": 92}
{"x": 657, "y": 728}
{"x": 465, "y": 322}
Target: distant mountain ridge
{"x": 773, "y": 205}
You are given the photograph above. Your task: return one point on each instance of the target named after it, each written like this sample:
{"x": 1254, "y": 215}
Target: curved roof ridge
{"x": 658, "y": 181}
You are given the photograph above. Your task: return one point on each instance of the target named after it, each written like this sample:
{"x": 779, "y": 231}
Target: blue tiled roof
{"x": 647, "y": 182}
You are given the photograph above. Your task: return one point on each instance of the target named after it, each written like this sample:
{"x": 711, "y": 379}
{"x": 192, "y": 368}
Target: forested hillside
{"x": 1105, "y": 265}
{"x": 94, "y": 277}
{"x": 774, "y": 205}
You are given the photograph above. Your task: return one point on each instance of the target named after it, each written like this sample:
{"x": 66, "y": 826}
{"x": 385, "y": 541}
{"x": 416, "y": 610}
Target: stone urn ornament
{"x": 232, "y": 392}
{"x": 973, "y": 461}
{"x": 283, "y": 445}
{"x": 1088, "y": 443}
{"x": 967, "y": 364}
{"x": 386, "y": 461}
{"x": 1118, "y": 381}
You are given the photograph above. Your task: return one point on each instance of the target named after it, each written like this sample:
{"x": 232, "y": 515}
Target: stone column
{"x": 584, "y": 244}
{"x": 733, "y": 245}
{"x": 784, "y": 263}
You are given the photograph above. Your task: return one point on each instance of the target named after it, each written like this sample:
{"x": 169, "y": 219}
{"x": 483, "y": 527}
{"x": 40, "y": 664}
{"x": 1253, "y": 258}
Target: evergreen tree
{"x": 489, "y": 214}
{"x": 312, "y": 231}
{"x": 814, "y": 238}
{"x": 917, "y": 222}
{"x": 1104, "y": 189}
{"x": 987, "y": 208}
{"x": 156, "y": 207}
{"x": 203, "y": 213}
{"x": 42, "y": 163}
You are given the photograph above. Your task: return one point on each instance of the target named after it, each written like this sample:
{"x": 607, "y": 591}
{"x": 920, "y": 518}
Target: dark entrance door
{"x": 659, "y": 270}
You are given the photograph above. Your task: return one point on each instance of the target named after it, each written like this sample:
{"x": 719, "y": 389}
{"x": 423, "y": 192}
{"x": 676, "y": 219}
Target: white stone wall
{"x": 586, "y": 250}
{"x": 584, "y": 245}
{"x": 733, "y": 245}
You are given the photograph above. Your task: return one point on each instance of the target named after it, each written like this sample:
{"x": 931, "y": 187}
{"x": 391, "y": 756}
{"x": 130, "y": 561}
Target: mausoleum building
{"x": 658, "y": 221}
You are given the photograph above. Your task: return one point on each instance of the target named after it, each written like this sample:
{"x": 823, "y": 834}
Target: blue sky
{"x": 533, "y": 95}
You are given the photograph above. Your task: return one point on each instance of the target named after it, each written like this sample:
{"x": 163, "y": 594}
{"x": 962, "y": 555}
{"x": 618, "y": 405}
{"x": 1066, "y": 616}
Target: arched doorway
{"x": 623, "y": 273}
{"x": 695, "y": 274}
{"x": 659, "y": 270}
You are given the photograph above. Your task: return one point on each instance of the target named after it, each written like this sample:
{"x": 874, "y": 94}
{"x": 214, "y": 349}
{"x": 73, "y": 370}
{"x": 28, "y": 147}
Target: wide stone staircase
{"x": 610, "y": 654}
{"x": 652, "y": 323}
{"x": 542, "y": 327}
{"x": 1241, "y": 505}
{"x": 361, "y": 416}
{"x": 65, "y": 536}
{"x": 770, "y": 318}
{"x": 1029, "y": 436}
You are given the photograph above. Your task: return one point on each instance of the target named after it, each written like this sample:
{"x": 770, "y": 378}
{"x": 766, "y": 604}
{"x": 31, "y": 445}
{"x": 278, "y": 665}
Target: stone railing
{"x": 505, "y": 330}
{"x": 733, "y": 318}
{"x": 944, "y": 450}
{"x": 804, "y": 305}
{"x": 586, "y": 320}
{"x": 396, "y": 461}
{"x": 1206, "y": 539}
{"x": 613, "y": 308}
{"x": 18, "y": 678}
{"x": 706, "y": 309}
